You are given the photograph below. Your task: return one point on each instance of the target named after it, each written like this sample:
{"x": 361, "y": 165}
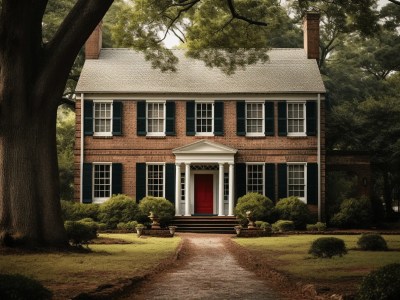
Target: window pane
{"x": 102, "y": 117}
{"x": 296, "y": 117}
{"x": 204, "y": 117}
{"x": 155, "y": 117}
{"x": 255, "y": 179}
{"x": 296, "y": 180}
{"x": 155, "y": 180}
{"x": 102, "y": 181}
{"x": 254, "y": 117}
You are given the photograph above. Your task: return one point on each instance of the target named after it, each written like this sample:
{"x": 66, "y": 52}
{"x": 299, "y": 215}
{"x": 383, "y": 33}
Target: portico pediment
{"x": 204, "y": 146}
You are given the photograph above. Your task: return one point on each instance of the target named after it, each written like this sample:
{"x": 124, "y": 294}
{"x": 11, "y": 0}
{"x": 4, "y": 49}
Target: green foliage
{"x": 372, "y": 242}
{"x": 161, "y": 207}
{"x": 127, "y": 226}
{"x": 259, "y": 205}
{"x": 74, "y": 211}
{"x": 381, "y": 284}
{"x": 18, "y": 287}
{"x": 319, "y": 226}
{"x": 327, "y": 247}
{"x": 293, "y": 209}
{"x": 119, "y": 208}
{"x": 80, "y": 233}
{"x": 283, "y": 226}
{"x": 354, "y": 213}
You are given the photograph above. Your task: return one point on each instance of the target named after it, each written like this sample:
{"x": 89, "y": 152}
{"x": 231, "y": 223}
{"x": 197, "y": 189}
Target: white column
{"x": 231, "y": 180}
{"x": 187, "y": 189}
{"x": 221, "y": 191}
{"x": 177, "y": 189}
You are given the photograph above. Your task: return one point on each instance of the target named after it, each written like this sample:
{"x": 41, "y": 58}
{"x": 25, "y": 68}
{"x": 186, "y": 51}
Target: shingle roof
{"x": 127, "y": 71}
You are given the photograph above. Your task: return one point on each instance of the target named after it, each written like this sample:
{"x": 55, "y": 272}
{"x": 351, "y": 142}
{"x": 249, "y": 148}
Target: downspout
{"x": 82, "y": 150}
{"x": 319, "y": 155}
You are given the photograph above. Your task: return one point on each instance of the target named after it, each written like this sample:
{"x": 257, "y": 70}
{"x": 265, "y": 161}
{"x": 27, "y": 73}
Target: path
{"x": 208, "y": 271}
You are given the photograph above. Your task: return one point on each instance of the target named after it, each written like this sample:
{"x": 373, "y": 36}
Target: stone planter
{"x": 238, "y": 229}
{"x": 172, "y": 230}
{"x": 139, "y": 231}
{"x": 155, "y": 224}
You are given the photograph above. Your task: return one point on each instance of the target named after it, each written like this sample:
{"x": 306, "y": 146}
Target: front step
{"x": 205, "y": 224}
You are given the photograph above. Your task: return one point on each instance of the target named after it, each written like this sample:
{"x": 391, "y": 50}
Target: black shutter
{"x": 116, "y": 187}
{"x": 170, "y": 182}
{"x": 140, "y": 181}
{"x": 170, "y": 118}
{"x": 87, "y": 183}
{"x": 241, "y": 118}
{"x": 190, "y": 118}
{"x": 240, "y": 169}
{"x": 269, "y": 118}
{"x": 282, "y": 118}
{"x": 88, "y": 117}
{"x": 311, "y": 116}
{"x": 270, "y": 181}
{"x": 282, "y": 181}
{"x": 219, "y": 118}
{"x": 312, "y": 183}
{"x": 141, "y": 118}
{"x": 117, "y": 118}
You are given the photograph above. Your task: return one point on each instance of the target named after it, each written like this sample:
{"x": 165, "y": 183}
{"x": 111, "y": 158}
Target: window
{"x": 296, "y": 119}
{"x": 254, "y": 118}
{"x": 296, "y": 181}
{"x": 101, "y": 181}
{"x": 255, "y": 178}
{"x": 155, "y": 180}
{"x": 204, "y": 118}
{"x": 155, "y": 118}
{"x": 102, "y": 119}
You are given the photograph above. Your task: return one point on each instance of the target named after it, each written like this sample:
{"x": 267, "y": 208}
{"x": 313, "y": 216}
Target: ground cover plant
{"x": 67, "y": 273}
{"x": 288, "y": 254}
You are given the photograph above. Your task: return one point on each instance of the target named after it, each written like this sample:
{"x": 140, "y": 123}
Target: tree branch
{"x": 395, "y": 2}
{"x": 236, "y": 15}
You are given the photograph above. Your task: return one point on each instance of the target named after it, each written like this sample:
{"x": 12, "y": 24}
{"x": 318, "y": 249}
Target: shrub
{"x": 161, "y": 207}
{"x": 311, "y": 227}
{"x": 259, "y": 205}
{"x": 353, "y": 213}
{"x": 327, "y": 247}
{"x": 283, "y": 226}
{"x": 319, "y": 226}
{"x": 372, "y": 242}
{"x": 127, "y": 226}
{"x": 19, "y": 287}
{"x": 293, "y": 209}
{"x": 382, "y": 284}
{"x": 119, "y": 208}
{"x": 74, "y": 211}
{"x": 80, "y": 232}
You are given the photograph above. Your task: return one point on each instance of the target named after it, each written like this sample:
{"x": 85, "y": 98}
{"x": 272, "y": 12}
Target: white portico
{"x": 204, "y": 179}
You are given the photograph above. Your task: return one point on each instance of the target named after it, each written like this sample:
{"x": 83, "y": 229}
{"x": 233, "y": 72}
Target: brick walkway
{"x": 208, "y": 271}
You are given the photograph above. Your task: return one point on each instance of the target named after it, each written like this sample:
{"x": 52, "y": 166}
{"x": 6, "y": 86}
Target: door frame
{"x": 215, "y": 187}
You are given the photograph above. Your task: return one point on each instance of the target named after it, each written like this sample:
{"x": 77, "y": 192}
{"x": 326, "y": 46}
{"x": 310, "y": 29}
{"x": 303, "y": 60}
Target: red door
{"x": 203, "y": 193}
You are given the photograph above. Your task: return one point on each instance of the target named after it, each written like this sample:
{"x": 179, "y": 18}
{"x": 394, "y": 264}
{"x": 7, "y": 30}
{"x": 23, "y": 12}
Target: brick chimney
{"x": 94, "y": 43}
{"x": 311, "y": 34}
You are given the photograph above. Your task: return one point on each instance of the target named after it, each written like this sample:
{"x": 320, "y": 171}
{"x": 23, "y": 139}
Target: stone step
{"x": 205, "y": 224}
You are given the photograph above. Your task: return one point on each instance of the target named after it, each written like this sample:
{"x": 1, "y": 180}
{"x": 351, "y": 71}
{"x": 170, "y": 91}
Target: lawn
{"x": 67, "y": 274}
{"x": 289, "y": 255}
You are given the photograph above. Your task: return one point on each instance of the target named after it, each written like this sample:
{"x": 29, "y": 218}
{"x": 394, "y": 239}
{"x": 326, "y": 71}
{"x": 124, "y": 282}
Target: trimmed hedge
{"x": 327, "y": 247}
{"x": 354, "y": 213}
{"x": 372, "y": 242}
{"x": 74, "y": 211}
{"x": 293, "y": 209}
{"x": 127, "y": 226}
{"x": 260, "y": 206}
{"x": 161, "y": 207}
{"x": 319, "y": 226}
{"x": 80, "y": 233}
{"x": 283, "y": 226}
{"x": 18, "y": 287}
{"x": 119, "y": 208}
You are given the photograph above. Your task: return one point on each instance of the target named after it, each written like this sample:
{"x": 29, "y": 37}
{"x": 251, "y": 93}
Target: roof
{"x": 127, "y": 71}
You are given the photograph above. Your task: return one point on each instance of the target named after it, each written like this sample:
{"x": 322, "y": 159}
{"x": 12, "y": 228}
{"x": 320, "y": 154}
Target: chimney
{"x": 94, "y": 43}
{"x": 311, "y": 34}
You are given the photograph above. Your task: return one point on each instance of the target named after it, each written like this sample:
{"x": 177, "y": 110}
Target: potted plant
{"x": 172, "y": 230}
{"x": 238, "y": 229}
{"x": 139, "y": 229}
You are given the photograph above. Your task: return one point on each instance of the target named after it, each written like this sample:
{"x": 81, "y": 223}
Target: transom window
{"x": 255, "y": 178}
{"x": 296, "y": 177}
{"x": 155, "y": 180}
{"x": 155, "y": 118}
{"x": 204, "y": 118}
{"x": 101, "y": 181}
{"x": 296, "y": 117}
{"x": 254, "y": 118}
{"x": 102, "y": 118}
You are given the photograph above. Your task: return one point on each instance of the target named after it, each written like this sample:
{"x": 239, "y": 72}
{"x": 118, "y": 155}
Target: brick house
{"x": 198, "y": 137}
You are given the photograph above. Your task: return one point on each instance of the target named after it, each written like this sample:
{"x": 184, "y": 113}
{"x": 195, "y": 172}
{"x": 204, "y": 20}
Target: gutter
{"x": 82, "y": 151}
{"x": 319, "y": 156}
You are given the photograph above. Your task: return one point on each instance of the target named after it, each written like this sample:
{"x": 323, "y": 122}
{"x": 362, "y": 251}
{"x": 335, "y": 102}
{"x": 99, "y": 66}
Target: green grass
{"x": 290, "y": 255}
{"x": 67, "y": 272}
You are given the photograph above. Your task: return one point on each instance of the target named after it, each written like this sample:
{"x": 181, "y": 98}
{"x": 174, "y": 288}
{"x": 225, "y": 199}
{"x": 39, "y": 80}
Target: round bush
{"x": 161, "y": 207}
{"x": 354, "y": 213}
{"x": 19, "y": 287}
{"x": 311, "y": 227}
{"x": 74, "y": 211}
{"x": 372, "y": 242}
{"x": 382, "y": 284}
{"x": 283, "y": 226}
{"x": 259, "y": 205}
{"x": 119, "y": 208}
{"x": 293, "y": 209}
{"x": 80, "y": 232}
{"x": 327, "y": 247}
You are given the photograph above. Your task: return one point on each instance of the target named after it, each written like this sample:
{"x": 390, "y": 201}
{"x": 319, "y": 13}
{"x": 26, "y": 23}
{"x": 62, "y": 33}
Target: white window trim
{"x": 304, "y": 199}
{"x": 304, "y": 133}
{"x": 94, "y": 119}
{"x": 100, "y": 200}
{"x": 247, "y": 174}
{"x": 147, "y": 118}
{"x": 147, "y": 176}
{"x": 212, "y": 118}
{"x": 262, "y": 133}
